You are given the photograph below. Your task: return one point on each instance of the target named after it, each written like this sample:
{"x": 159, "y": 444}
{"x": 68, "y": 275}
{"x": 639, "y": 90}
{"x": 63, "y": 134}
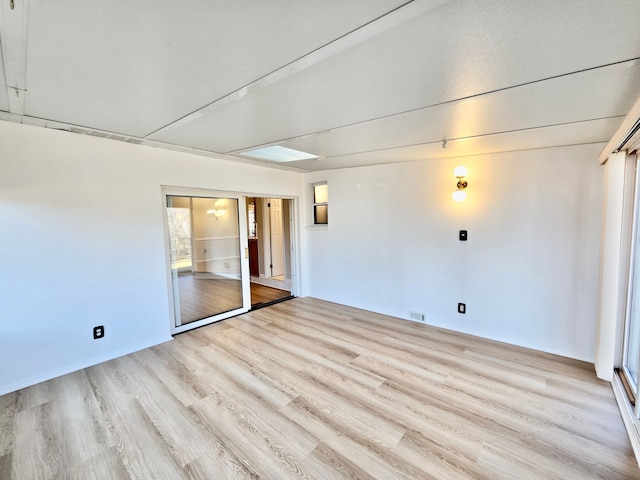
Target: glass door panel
{"x": 632, "y": 337}
{"x": 205, "y": 257}
{"x": 631, "y": 344}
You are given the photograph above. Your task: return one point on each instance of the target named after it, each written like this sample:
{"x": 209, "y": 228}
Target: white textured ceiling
{"x": 357, "y": 82}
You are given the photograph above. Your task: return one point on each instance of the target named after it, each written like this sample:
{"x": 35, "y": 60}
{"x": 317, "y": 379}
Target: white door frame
{"x": 294, "y": 241}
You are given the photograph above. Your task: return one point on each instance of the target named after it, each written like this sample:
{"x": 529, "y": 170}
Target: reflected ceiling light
{"x": 277, "y": 153}
{"x": 220, "y": 208}
{"x": 460, "y": 172}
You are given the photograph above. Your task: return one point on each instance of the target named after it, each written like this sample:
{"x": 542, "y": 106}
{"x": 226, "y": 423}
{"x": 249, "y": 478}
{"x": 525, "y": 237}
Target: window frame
{"x": 315, "y": 204}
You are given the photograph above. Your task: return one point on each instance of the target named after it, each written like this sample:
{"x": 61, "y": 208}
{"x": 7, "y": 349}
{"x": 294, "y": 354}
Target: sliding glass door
{"x": 209, "y": 272}
{"x": 632, "y": 334}
{"x": 631, "y": 344}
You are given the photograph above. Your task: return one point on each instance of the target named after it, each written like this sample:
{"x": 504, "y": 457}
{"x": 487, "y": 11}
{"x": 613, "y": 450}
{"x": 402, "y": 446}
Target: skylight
{"x": 277, "y": 153}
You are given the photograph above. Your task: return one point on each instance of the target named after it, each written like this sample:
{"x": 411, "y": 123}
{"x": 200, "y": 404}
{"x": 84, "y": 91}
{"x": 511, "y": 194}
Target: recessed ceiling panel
{"x": 461, "y": 49}
{"x": 132, "y": 67}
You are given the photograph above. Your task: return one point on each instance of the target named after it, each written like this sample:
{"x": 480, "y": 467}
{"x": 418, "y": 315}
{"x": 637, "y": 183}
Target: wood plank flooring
{"x": 204, "y": 297}
{"x": 313, "y": 390}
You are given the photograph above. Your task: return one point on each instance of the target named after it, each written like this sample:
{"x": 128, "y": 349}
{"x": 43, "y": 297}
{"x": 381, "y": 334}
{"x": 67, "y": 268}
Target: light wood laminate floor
{"x": 309, "y": 389}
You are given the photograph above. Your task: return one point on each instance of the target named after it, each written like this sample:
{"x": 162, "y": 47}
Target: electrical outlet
{"x": 98, "y": 332}
{"x": 462, "y": 308}
{"x": 416, "y": 316}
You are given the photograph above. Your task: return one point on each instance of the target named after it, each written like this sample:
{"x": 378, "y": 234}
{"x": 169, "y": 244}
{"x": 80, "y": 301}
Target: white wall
{"x": 83, "y": 244}
{"x": 528, "y": 273}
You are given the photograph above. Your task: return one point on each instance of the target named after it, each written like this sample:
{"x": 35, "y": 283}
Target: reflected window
{"x": 179, "y": 220}
{"x": 251, "y": 221}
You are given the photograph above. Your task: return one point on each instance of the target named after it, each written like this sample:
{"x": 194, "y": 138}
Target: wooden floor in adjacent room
{"x": 263, "y": 295}
{"x": 309, "y": 389}
{"x": 203, "y": 297}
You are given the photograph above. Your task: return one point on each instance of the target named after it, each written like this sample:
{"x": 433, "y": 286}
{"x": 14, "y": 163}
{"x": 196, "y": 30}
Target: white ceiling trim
{"x": 617, "y": 142}
{"x": 65, "y": 127}
{"x": 393, "y": 19}
{"x": 570, "y": 134}
{"x": 447, "y": 142}
{"x": 13, "y": 37}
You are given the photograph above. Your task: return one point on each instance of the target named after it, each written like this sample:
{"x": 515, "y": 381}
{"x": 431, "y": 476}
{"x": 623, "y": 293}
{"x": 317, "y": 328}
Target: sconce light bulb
{"x": 459, "y": 195}
{"x": 460, "y": 171}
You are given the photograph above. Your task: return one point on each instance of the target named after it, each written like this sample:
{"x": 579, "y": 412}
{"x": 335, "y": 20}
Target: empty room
{"x": 357, "y": 239}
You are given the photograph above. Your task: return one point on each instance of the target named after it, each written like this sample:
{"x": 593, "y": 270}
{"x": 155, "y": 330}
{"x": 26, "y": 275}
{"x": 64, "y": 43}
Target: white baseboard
{"x": 4, "y": 389}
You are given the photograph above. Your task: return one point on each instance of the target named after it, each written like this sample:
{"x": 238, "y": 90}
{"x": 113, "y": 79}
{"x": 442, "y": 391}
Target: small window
{"x": 320, "y": 203}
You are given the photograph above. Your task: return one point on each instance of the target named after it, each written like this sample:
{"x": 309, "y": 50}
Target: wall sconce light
{"x": 460, "y": 172}
{"x": 220, "y": 208}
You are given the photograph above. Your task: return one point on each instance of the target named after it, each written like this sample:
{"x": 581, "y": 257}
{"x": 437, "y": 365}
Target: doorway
{"x": 269, "y": 223}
